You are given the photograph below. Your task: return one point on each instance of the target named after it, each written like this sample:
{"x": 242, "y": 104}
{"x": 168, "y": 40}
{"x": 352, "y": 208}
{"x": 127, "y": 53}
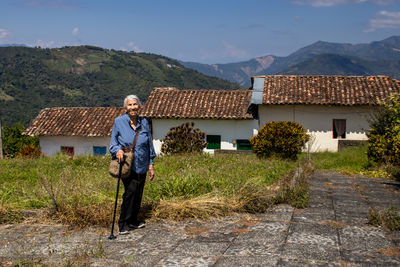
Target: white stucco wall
{"x": 229, "y": 130}
{"x": 318, "y": 120}
{"x": 51, "y": 145}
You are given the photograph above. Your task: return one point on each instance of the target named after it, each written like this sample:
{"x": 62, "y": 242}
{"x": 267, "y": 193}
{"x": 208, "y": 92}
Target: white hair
{"x": 132, "y": 97}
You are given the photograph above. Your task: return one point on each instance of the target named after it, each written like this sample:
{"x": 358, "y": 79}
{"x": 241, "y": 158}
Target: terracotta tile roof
{"x": 327, "y": 90}
{"x": 75, "y": 121}
{"x": 197, "y": 104}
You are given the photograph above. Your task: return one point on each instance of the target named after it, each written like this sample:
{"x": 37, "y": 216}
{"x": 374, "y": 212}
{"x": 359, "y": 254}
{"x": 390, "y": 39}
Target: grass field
{"x": 352, "y": 160}
{"x": 79, "y": 191}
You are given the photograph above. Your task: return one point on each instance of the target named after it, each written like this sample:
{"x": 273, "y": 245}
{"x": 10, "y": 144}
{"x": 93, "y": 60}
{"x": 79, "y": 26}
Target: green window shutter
{"x": 213, "y": 141}
{"x": 243, "y": 144}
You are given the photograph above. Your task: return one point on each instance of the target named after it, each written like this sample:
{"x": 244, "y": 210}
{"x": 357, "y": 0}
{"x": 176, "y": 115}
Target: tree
{"x": 384, "y": 134}
{"x": 183, "y": 139}
{"x": 14, "y": 142}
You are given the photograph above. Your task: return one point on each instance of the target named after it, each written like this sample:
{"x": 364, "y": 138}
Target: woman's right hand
{"x": 120, "y": 155}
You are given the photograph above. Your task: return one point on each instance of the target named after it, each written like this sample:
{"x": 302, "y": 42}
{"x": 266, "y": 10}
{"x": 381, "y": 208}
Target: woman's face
{"x": 132, "y": 107}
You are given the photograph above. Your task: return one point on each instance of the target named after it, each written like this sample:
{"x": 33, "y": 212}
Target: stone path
{"x": 332, "y": 231}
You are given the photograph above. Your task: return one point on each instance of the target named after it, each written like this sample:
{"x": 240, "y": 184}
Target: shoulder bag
{"x": 129, "y": 154}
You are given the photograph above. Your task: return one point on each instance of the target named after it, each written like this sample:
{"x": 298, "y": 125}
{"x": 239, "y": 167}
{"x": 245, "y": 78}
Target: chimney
{"x": 258, "y": 89}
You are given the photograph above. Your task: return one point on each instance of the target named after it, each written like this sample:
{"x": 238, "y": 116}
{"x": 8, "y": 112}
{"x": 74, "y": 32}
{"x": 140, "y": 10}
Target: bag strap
{"x": 135, "y": 141}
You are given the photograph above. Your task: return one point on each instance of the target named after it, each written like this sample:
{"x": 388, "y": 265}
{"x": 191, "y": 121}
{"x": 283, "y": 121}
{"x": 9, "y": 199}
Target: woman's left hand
{"x": 151, "y": 172}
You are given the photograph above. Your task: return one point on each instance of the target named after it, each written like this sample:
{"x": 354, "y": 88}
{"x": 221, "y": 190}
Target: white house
{"x": 331, "y": 108}
{"x": 221, "y": 114}
{"x": 74, "y": 130}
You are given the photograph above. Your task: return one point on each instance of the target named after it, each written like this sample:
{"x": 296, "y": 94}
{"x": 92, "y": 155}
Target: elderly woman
{"x": 122, "y": 137}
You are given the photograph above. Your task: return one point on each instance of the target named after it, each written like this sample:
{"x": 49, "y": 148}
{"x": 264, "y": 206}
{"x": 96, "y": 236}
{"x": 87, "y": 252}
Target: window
{"x": 339, "y": 128}
{"x": 99, "y": 150}
{"x": 243, "y": 144}
{"x": 213, "y": 141}
{"x": 69, "y": 150}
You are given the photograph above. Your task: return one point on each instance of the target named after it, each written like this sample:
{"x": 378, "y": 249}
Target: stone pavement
{"x": 332, "y": 231}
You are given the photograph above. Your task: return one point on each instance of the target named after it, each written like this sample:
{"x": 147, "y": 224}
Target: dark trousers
{"x": 131, "y": 198}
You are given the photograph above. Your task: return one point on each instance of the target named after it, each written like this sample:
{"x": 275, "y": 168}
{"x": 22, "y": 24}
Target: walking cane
{"x": 112, "y": 236}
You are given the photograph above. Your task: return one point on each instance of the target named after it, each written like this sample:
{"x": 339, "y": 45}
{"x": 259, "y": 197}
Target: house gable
{"x": 319, "y": 102}
{"x": 327, "y": 90}
{"x": 74, "y": 121}
{"x": 221, "y": 113}
{"x": 198, "y": 104}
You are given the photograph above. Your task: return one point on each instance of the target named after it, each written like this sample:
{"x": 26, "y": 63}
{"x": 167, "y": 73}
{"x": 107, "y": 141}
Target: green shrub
{"x": 183, "y": 139}
{"x": 389, "y": 218}
{"x": 29, "y": 151}
{"x": 10, "y": 216}
{"x": 14, "y": 141}
{"x": 294, "y": 188}
{"x": 384, "y": 135}
{"x": 282, "y": 138}
{"x": 393, "y": 170}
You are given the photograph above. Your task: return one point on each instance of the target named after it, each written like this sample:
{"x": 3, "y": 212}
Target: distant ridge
{"x": 332, "y": 64}
{"x": 380, "y": 57}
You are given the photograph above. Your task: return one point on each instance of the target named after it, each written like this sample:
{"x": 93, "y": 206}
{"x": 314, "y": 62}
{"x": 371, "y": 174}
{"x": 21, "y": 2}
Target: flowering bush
{"x": 183, "y": 139}
{"x": 282, "y": 138}
{"x": 384, "y": 135}
{"x": 29, "y": 151}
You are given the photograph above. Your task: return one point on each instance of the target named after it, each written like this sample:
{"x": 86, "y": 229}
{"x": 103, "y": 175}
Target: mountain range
{"x": 320, "y": 58}
{"x": 34, "y": 78}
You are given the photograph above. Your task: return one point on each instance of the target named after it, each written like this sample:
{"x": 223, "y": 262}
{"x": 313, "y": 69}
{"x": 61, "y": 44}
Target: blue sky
{"x": 206, "y": 31}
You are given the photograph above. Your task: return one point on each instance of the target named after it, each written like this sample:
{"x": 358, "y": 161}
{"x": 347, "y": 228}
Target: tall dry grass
{"x": 78, "y": 191}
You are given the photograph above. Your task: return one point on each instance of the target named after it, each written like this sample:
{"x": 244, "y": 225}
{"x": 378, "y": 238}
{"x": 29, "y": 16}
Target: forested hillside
{"x": 34, "y": 78}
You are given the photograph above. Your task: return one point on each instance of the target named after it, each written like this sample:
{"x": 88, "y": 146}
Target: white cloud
{"x": 386, "y": 2}
{"x": 134, "y": 47}
{"x": 326, "y": 3}
{"x": 131, "y": 47}
{"x": 75, "y": 31}
{"x": 4, "y": 33}
{"x": 43, "y": 44}
{"x": 384, "y": 20}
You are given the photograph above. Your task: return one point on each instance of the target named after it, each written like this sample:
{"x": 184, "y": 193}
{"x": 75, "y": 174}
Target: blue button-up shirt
{"x": 122, "y": 136}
